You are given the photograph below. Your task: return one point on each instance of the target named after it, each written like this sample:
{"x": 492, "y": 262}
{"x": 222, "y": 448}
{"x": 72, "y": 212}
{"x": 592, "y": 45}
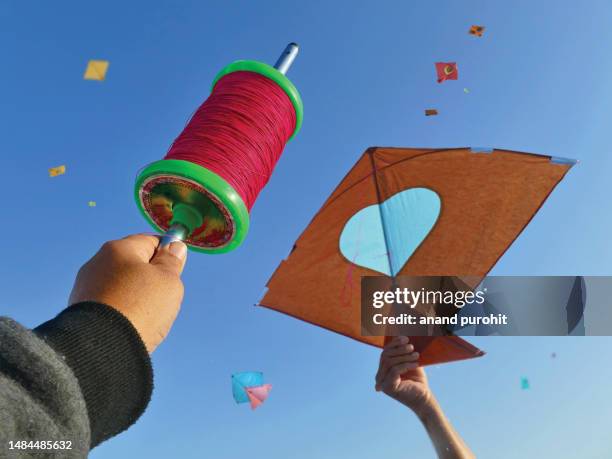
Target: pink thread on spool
{"x": 239, "y": 132}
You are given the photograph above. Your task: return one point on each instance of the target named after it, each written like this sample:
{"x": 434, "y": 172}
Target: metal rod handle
{"x": 176, "y": 232}
{"x": 286, "y": 59}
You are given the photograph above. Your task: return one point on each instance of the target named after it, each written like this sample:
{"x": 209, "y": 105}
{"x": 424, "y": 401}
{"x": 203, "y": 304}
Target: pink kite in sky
{"x": 258, "y": 394}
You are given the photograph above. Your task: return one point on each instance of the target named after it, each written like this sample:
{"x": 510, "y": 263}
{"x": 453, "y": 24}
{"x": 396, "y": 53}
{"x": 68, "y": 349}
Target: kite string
{"x": 239, "y": 132}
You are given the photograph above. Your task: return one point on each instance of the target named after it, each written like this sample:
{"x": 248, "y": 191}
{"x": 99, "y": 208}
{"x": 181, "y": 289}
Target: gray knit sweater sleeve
{"x": 40, "y": 398}
{"x": 71, "y": 383}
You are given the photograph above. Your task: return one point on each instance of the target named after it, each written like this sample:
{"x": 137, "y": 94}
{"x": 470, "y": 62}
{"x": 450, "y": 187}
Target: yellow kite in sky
{"x": 96, "y": 70}
{"x": 55, "y": 171}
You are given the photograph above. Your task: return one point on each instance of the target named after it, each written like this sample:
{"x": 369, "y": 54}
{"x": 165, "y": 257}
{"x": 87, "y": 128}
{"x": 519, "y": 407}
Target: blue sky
{"x": 538, "y": 81}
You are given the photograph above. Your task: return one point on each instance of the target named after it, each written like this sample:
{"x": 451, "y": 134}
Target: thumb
{"x": 171, "y": 257}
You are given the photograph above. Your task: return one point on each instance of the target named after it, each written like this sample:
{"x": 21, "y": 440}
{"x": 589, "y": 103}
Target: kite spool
{"x": 203, "y": 189}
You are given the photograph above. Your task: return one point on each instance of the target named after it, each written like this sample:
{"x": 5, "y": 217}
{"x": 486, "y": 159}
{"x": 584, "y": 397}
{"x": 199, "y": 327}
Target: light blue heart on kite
{"x": 384, "y": 236}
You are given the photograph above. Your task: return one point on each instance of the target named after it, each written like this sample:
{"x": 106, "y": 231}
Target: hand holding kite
{"x": 400, "y": 377}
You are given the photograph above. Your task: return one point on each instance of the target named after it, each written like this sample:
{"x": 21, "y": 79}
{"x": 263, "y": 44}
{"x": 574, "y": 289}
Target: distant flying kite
{"x": 410, "y": 212}
{"x": 96, "y": 70}
{"x": 431, "y": 112}
{"x": 55, "y": 171}
{"x": 476, "y": 30}
{"x": 447, "y": 71}
{"x": 248, "y": 386}
{"x": 258, "y": 394}
{"x": 91, "y": 203}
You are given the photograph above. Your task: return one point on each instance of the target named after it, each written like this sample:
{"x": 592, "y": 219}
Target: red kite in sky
{"x": 447, "y": 71}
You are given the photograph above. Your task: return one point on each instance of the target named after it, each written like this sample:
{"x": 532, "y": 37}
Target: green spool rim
{"x": 274, "y": 75}
{"x": 208, "y": 180}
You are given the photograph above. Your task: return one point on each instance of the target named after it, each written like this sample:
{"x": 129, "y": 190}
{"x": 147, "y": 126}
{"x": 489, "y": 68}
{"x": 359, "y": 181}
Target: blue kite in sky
{"x": 248, "y": 386}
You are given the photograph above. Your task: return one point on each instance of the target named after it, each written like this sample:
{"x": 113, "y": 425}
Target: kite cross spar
{"x": 203, "y": 189}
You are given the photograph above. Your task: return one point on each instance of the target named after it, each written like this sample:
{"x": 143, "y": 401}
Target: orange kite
{"x": 443, "y": 212}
